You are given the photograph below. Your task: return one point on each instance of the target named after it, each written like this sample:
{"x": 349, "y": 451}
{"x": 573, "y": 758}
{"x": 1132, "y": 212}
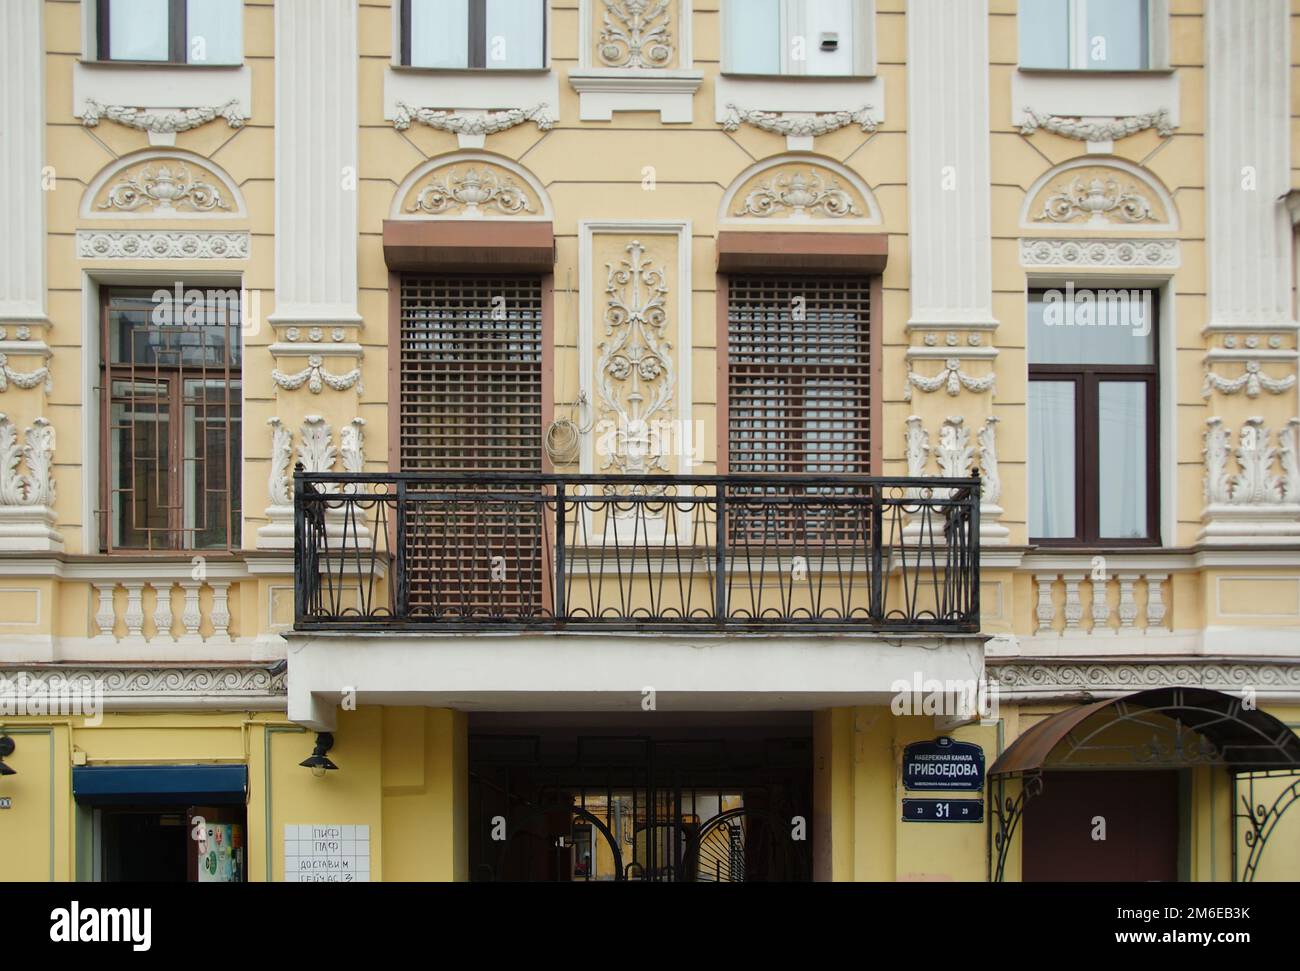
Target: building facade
{"x": 633, "y": 440}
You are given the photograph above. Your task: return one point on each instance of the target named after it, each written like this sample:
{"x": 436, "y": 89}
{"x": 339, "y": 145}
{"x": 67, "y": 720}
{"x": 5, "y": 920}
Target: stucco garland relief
{"x": 1100, "y": 253}
{"x": 799, "y": 124}
{"x": 1253, "y": 484}
{"x": 634, "y": 374}
{"x": 163, "y": 122}
{"x": 1252, "y": 381}
{"x": 316, "y": 376}
{"x": 164, "y": 188}
{"x": 475, "y": 123}
{"x": 636, "y": 34}
{"x": 951, "y": 378}
{"x": 1097, "y": 129}
{"x": 26, "y": 380}
{"x": 471, "y": 192}
{"x": 157, "y": 245}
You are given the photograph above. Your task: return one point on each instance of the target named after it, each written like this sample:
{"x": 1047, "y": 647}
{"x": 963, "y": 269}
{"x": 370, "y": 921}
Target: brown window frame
{"x": 476, "y": 38}
{"x": 177, "y": 29}
{"x": 875, "y": 294}
{"x": 1087, "y": 495}
{"x": 180, "y": 538}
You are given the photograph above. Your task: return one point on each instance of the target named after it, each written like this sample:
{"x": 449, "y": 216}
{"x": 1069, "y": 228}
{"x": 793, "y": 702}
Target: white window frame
{"x": 1157, "y": 40}
{"x": 793, "y": 12}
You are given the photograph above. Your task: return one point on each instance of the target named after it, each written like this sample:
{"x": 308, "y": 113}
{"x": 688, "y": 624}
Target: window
{"x": 471, "y": 401}
{"x": 1093, "y": 407}
{"x": 170, "y": 419}
{"x": 1086, "y": 35}
{"x": 824, "y": 38}
{"x": 798, "y": 375}
{"x": 492, "y": 34}
{"x": 171, "y": 31}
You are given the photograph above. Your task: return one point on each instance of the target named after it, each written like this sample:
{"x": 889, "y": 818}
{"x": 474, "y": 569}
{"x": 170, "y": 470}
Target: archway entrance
{"x": 1116, "y": 764}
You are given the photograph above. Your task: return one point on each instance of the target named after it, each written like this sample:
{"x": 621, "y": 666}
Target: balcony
{"x": 497, "y": 552}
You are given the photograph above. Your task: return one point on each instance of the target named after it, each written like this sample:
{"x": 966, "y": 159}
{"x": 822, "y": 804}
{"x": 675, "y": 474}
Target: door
{"x": 1137, "y": 812}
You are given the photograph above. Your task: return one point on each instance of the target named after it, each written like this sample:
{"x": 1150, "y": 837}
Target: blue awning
{"x": 118, "y": 785}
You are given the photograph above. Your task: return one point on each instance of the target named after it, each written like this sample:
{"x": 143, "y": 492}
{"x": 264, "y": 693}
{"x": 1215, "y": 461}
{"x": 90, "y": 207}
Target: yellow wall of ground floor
{"x": 404, "y": 773}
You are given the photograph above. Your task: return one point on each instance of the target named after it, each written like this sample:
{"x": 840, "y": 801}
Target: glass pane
{"x": 137, "y": 30}
{"x": 1117, "y": 35}
{"x": 1045, "y": 33}
{"x": 829, "y": 17}
{"x": 754, "y": 36}
{"x": 1122, "y": 459}
{"x": 167, "y": 328}
{"x": 1076, "y": 325}
{"x": 1052, "y": 478}
{"x": 215, "y": 31}
{"x": 139, "y": 465}
{"x": 514, "y": 33}
{"x": 209, "y": 425}
{"x": 440, "y": 33}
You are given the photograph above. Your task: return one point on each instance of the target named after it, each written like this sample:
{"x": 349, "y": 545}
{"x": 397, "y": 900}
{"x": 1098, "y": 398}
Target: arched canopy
{"x": 1164, "y": 727}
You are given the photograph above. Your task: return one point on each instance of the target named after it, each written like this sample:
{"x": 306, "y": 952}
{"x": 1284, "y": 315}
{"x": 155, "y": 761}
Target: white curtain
{"x": 1122, "y": 459}
{"x": 1052, "y": 475}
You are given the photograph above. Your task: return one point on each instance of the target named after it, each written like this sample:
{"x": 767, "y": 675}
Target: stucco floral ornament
{"x": 166, "y": 190}
{"x": 22, "y": 379}
{"x": 316, "y": 377}
{"x": 160, "y": 122}
{"x": 473, "y": 192}
{"x": 802, "y": 195}
{"x": 1100, "y": 201}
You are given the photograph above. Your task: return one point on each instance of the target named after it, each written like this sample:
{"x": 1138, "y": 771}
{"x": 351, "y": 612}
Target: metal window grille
{"x": 170, "y": 419}
{"x": 471, "y": 401}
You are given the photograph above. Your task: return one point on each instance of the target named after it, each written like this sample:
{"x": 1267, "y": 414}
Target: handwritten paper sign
{"x": 326, "y": 853}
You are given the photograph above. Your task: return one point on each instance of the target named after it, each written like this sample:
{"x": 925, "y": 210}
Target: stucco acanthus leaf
{"x": 952, "y": 379}
{"x": 278, "y": 485}
{"x": 162, "y": 122}
{"x": 1097, "y": 129}
{"x": 1253, "y": 380}
{"x": 472, "y": 123}
{"x": 37, "y": 487}
{"x": 316, "y": 377}
{"x": 1254, "y": 483}
{"x": 798, "y": 124}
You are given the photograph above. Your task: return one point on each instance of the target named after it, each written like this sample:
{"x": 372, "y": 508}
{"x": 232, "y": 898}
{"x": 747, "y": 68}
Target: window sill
{"x": 469, "y": 72}
{"x": 96, "y": 64}
{"x": 783, "y": 78}
{"x": 162, "y": 93}
{"x": 1083, "y": 72}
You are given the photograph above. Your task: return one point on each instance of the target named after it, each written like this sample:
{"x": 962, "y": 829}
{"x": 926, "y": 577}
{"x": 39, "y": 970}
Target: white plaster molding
{"x": 1251, "y": 505}
{"x": 316, "y": 134}
{"x": 220, "y": 200}
{"x": 950, "y": 221}
{"x": 675, "y": 307}
{"x": 472, "y": 104}
{"x": 160, "y": 245}
{"x": 799, "y": 109}
{"x": 1252, "y": 381}
{"x": 1101, "y": 254}
{"x": 952, "y": 379}
{"x": 425, "y": 169}
{"x": 1097, "y": 129}
{"x": 1128, "y": 200}
{"x": 955, "y": 458}
{"x": 1248, "y": 157}
{"x": 25, "y": 380}
{"x": 161, "y": 99}
{"x": 23, "y": 244}
{"x": 125, "y": 687}
{"x": 27, "y": 520}
{"x": 1102, "y": 676}
{"x": 636, "y": 34}
{"x": 316, "y": 452}
{"x": 603, "y": 92}
{"x": 734, "y": 212}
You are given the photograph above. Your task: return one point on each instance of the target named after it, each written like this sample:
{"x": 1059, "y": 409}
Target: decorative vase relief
{"x": 634, "y": 375}
{"x": 472, "y": 193}
{"x": 1098, "y": 202}
{"x": 164, "y": 189}
{"x": 798, "y": 195}
{"x": 636, "y": 34}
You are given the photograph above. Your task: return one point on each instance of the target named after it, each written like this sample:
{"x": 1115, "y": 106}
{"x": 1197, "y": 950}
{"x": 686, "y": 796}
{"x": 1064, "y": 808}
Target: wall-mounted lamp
{"x": 6, "y": 750}
{"x": 317, "y": 761}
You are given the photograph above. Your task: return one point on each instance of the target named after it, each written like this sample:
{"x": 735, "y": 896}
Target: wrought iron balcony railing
{"x": 744, "y": 553}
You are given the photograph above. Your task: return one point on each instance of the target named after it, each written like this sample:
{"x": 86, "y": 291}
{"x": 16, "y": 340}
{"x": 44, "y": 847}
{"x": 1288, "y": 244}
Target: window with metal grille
{"x": 471, "y": 401}
{"x": 170, "y": 419}
{"x": 798, "y": 375}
